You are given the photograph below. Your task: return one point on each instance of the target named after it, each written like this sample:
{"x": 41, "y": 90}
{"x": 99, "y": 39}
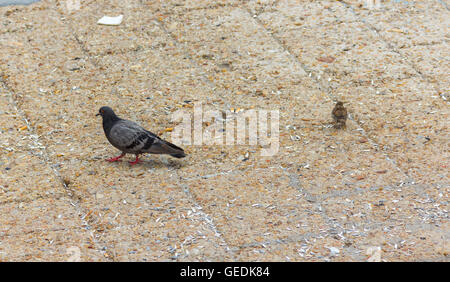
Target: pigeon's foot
{"x": 116, "y": 159}
{"x": 135, "y": 161}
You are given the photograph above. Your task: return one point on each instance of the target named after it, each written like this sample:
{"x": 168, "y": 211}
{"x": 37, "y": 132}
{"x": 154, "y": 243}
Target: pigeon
{"x": 339, "y": 115}
{"x": 131, "y": 138}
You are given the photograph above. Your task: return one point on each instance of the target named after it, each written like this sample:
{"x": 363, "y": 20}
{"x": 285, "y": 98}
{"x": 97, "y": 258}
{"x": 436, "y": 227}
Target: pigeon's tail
{"x": 164, "y": 147}
{"x": 178, "y": 152}
{"x": 180, "y": 155}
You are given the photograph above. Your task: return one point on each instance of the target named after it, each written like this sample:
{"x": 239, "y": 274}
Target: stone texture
{"x": 326, "y": 195}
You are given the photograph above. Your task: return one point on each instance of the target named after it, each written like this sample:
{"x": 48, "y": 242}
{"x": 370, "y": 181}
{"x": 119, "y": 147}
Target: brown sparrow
{"x": 339, "y": 115}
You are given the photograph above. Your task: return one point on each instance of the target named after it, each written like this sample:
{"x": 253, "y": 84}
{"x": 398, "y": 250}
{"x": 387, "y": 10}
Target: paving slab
{"x": 134, "y": 33}
{"x": 325, "y": 195}
{"x": 25, "y": 174}
{"x": 39, "y": 222}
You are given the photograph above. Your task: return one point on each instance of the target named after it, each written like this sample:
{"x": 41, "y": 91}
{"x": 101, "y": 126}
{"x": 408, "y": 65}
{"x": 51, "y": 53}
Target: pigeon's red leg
{"x": 136, "y": 161}
{"x": 116, "y": 158}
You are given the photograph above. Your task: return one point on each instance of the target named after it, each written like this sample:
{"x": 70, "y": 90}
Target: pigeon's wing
{"x": 130, "y": 137}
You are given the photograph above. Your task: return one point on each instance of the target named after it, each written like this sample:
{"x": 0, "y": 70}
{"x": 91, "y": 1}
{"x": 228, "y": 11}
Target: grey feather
{"x": 131, "y": 138}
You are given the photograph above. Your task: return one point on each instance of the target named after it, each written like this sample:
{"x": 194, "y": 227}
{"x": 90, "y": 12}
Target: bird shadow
{"x": 158, "y": 163}
{"x": 152, "y": 163}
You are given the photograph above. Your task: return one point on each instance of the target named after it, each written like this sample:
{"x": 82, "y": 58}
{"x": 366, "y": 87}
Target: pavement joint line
{"x": 294, "y": 182}
{"x": 83, "y": 48}
{"x": 323, "y": 211}
{"x": 391, "y": 46}
{"x": 41, "y": 146}
{"x": 337, "y": 194}
{"x": 193, "y": 61}
{"x": 328, "y": 219}
{"x": 367, "y": 225}
{"x": 323, "y": 234}
{"x": 288, "y": 171}
{"x": 206, "y": 217}
{"x": 319, "y": 84}
{"x": 96, "y": 65}
{"x": 328, "y": 91}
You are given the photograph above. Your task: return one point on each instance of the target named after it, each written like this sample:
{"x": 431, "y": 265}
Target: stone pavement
{"x": 327, "y": 195}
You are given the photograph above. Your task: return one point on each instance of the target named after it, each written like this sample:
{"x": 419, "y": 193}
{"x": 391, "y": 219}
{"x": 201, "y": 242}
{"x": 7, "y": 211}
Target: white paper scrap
{"x": 105, "y": 20}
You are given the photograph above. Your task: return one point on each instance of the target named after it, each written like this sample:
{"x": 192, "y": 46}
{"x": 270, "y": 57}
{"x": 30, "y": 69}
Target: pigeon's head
{"x": 106, "y": 112}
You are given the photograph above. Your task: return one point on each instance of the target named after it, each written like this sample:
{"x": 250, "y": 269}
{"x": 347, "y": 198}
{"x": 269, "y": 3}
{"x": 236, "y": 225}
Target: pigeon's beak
{"x": 97, "y": 114}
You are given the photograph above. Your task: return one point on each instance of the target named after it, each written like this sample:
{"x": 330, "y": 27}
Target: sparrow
{"x": 339, "y": 115}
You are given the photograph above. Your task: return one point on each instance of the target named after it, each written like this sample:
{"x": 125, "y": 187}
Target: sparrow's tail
{"x": 340, "y": 123}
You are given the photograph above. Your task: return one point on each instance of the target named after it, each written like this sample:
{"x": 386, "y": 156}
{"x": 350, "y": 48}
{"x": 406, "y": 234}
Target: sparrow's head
{"x": 105, "y": 112}
{"x": 339, "y": 104}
